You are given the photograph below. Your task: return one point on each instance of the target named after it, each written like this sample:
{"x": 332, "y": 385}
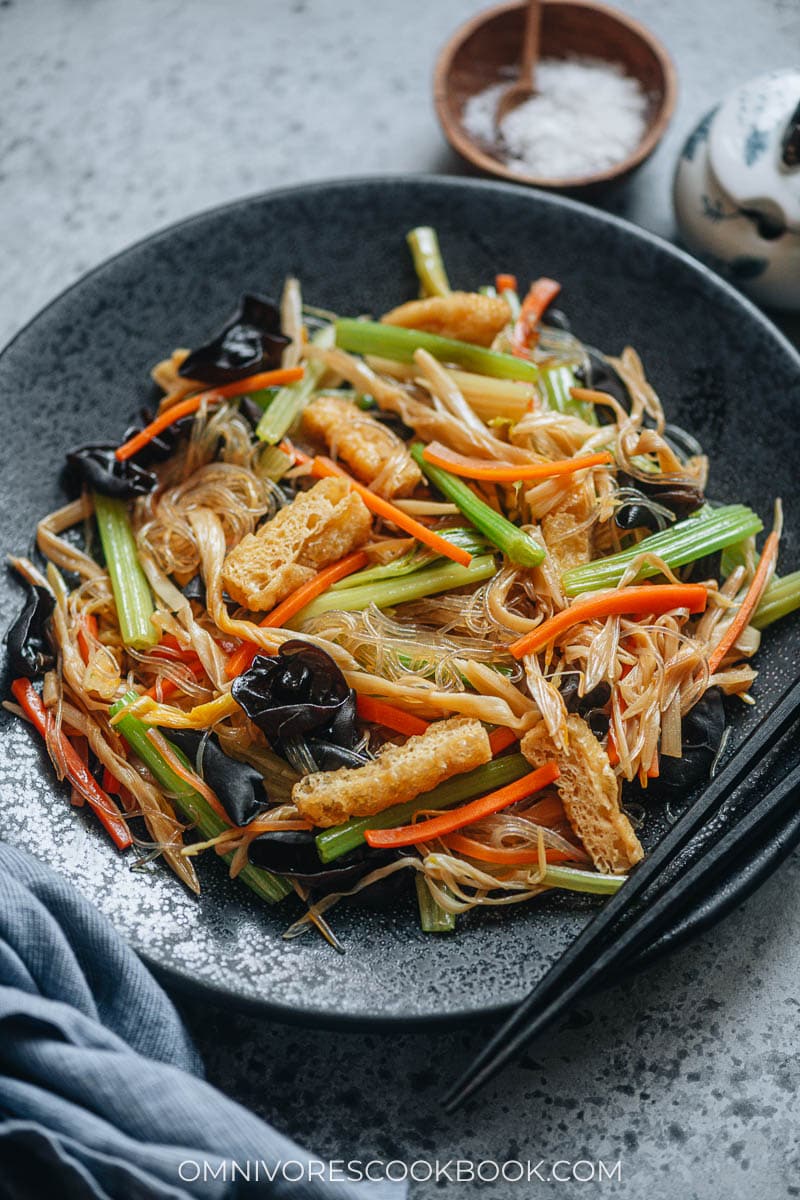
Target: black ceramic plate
{"x": 80, "y": 371}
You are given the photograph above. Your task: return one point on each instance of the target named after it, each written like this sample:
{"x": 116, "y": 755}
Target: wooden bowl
{"x": 481, "y": 52}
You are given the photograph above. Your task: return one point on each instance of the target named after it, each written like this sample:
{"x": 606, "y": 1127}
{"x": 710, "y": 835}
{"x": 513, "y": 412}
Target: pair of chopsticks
{"x": 678, "y": 870}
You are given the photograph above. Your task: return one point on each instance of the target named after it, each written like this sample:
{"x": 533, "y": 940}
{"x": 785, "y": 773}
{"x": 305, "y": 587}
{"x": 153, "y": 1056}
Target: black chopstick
{"x": 648, "y": 925}
{"x": 755, "y": 864}
{"x": 594, "y": 950}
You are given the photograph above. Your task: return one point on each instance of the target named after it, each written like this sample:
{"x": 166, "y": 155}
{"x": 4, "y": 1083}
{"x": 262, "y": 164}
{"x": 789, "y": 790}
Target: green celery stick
{"x": 682, "y": 543}
{"x": 194, "y": 807}
{"x": 513, "y": 542}
{"x": 131, "y": 590}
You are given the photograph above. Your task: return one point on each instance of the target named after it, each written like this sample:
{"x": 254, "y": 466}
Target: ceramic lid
{"x": 754, "y": 146}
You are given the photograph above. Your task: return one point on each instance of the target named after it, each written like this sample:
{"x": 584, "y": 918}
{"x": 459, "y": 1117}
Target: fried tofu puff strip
{"x": 589, "y": 791}
{"x": 397, "y": 775}
{"x": 373, "y": 452}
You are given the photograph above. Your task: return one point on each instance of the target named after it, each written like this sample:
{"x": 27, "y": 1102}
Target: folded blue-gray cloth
{"x": 101, "y": 1090}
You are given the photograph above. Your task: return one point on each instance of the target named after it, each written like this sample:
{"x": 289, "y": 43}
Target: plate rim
{"x": 185, "y": 984}
{"x": 465, "y": 183}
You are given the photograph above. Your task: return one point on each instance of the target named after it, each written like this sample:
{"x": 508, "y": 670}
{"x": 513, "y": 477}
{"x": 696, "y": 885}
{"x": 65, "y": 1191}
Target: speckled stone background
{"x": 119, "y": 116}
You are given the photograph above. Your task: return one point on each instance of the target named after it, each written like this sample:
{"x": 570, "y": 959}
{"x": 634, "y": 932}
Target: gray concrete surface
{"x": 119, "y": 116}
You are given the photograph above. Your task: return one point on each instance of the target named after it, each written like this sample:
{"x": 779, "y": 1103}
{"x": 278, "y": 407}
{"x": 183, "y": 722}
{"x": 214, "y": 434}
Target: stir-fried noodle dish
{"x": 437, "y": 595}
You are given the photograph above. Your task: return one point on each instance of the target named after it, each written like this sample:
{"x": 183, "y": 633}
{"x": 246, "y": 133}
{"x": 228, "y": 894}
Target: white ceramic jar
{"x": 737, "y": 189}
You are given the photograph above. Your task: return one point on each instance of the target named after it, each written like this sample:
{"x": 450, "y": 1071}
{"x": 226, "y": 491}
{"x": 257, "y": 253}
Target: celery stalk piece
{"x": 272, "y": 463}
{"x": 512, "y": 300}
{"x": 737, "y": 555}
{"x": 387, "y": 592}
{"x": 428, "y": 262}
{"x": 513, "y": 542}
{"x": 334, "y": 842}
{"x": 781, "y": 598}
{"x": 684, "y": 542}
{"x": 395, "y": 342}
{"x": 287, "y": 405}
{"x": 555, "y": 384}
{"x": 264, "y": 397}
{"x": 572, "y": 879}
{"x": 132, "y": 595}
{"x": 193, "y": 806}
{"x": 415, "y": 560}
{"x": 432, "y": 917}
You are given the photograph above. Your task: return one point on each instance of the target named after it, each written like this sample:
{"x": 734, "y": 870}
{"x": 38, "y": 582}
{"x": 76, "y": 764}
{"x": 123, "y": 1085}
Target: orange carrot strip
{"x": 242, "y": 657}
{"x": 113, "y": 786}
{"x": 185, "y": 408}
{"x": 323, "y": 467}
{"x": 508, "y": 857}
{"x": 307, "y": 592}
{"x": 110, "y": 782}
{"x": 476, "y": 810}
{"x": 500, "y": 738}
{"x": 540, "y": 294}
{"x": 79, "y": 775}
{"x": 750, "y": 602}
{"x": 549, "y": 811}
{"x": 87, "y": 628}
{"x": 300, "y": 459}
{"x": 479, "y": 468}
{"x": 505, "y": 283}
{"x": 649, "y": 598}
{"x": 186, "y": 774}
{"x": 381, "y": 713}
{"x": 81, "y": 747}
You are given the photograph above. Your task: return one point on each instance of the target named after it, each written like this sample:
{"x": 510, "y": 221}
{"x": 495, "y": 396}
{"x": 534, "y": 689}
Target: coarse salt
{"x": 586, "y": 117}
